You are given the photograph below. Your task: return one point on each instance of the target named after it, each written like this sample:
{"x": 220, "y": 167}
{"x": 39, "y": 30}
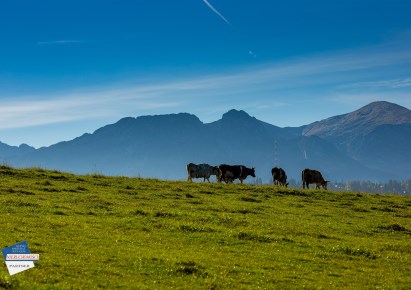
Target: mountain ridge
{"x": 161, "y": 145}
{"x": 363, "y": 120}
{"x": 361, "y": 135}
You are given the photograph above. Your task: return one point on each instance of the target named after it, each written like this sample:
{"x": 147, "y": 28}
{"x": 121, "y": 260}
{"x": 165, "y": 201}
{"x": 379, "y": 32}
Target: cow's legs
{"x": 207, "y": 177}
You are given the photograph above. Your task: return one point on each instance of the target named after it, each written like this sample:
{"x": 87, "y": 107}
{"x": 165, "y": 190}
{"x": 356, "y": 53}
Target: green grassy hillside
{"x": 114, "y": 232}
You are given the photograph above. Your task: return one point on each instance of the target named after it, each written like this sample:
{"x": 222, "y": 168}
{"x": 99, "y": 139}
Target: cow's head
{"x": 252, "y": 172}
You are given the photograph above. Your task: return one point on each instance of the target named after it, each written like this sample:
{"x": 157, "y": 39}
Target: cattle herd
{"x": 229, "y": 173}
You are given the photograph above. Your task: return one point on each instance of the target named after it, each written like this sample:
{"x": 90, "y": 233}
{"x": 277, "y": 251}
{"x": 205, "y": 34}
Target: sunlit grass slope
{"x": 96, "y": 231}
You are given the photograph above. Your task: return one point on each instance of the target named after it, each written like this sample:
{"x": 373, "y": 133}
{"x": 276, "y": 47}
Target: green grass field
{"x": 96, "y": 231}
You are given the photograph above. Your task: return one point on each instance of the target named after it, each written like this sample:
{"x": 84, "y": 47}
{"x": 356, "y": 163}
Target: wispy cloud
{"x": 217, "y": 12}
{"x": 353, "y": 99}
{"x": 60, "y": 42}
{"x": 342, "y": 78}
{"x": 252, "y": 54}
{"x": 68, "y": 107}
{"x": 394, "y": 84}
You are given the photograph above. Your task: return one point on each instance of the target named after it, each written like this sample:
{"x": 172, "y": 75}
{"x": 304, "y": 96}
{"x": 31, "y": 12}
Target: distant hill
{"x": 378, "y": 135}
{"x": 368, "y": 144}
{"x": 345, "y": 128}
{"x": 7, "y": 150}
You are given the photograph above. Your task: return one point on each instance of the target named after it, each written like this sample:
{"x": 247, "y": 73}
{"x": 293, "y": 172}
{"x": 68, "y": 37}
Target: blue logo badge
{"x": 18, "y": 258}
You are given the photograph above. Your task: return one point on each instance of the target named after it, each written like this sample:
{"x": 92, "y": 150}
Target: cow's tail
{"x": 302, "y": 179}
{"x": 188, "y": 172}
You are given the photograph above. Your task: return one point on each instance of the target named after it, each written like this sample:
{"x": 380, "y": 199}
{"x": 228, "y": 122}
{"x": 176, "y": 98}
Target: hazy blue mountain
{"x": 161, "y": 146}
{"x": 7, "y": 150}
{"x": 378, "y": 135}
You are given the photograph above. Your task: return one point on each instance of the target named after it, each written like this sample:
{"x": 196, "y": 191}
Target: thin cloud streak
{"x": 278, "y": 83}
{"x": 32, "y": 112}
{"x": 394, "y": 84}
{"x": 216, "y": 12}
{"x": 60, "y": 42}
{"x": 364, "y": 98}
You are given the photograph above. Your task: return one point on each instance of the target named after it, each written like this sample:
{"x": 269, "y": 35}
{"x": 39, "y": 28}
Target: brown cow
{"x": 309, "y": 176}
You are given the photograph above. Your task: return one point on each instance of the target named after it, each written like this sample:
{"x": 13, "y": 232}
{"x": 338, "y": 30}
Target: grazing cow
{"x": 313, "y": 176}
{"x": 228, "y": 173}
{"x": 201, "y": 171}
{"x": 279, "y": 176}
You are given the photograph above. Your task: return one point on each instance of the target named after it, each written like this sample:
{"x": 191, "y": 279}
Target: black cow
{"x": 228, "y": 177}
{"x": 228, "y": 173}
{"x": 201, "y": 171}
{"x": 279, "y": 176}
{"x": 313, "y": 176}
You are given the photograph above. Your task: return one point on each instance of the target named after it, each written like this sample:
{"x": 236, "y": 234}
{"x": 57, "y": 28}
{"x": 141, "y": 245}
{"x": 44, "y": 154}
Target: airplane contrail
{"x": 217, "y": 12}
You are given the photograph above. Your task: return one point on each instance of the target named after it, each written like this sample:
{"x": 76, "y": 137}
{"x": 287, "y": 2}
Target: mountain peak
{"x": 360, "y": 122}
{"x": 382, "y": 113}
{"x": 24, "y": 146}
{"x": 176, "y": 116}
{"x": 236, "y": 115}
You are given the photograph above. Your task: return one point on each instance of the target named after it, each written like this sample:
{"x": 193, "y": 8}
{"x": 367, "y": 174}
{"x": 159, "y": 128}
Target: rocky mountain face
{"x": 377, "y": 135}
{"x": 371, "y": 143}
{"x": 360, "y": 122}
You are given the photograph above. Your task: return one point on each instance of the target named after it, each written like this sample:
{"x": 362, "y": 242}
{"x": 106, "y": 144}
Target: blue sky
{"x": 70, "y": 67}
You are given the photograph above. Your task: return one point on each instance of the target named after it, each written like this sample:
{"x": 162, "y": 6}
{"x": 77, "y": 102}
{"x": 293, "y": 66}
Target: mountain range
{"x": 371, "y": 143}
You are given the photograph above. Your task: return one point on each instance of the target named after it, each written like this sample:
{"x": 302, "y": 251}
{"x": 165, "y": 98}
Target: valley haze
{"x": 371, "y": 143}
